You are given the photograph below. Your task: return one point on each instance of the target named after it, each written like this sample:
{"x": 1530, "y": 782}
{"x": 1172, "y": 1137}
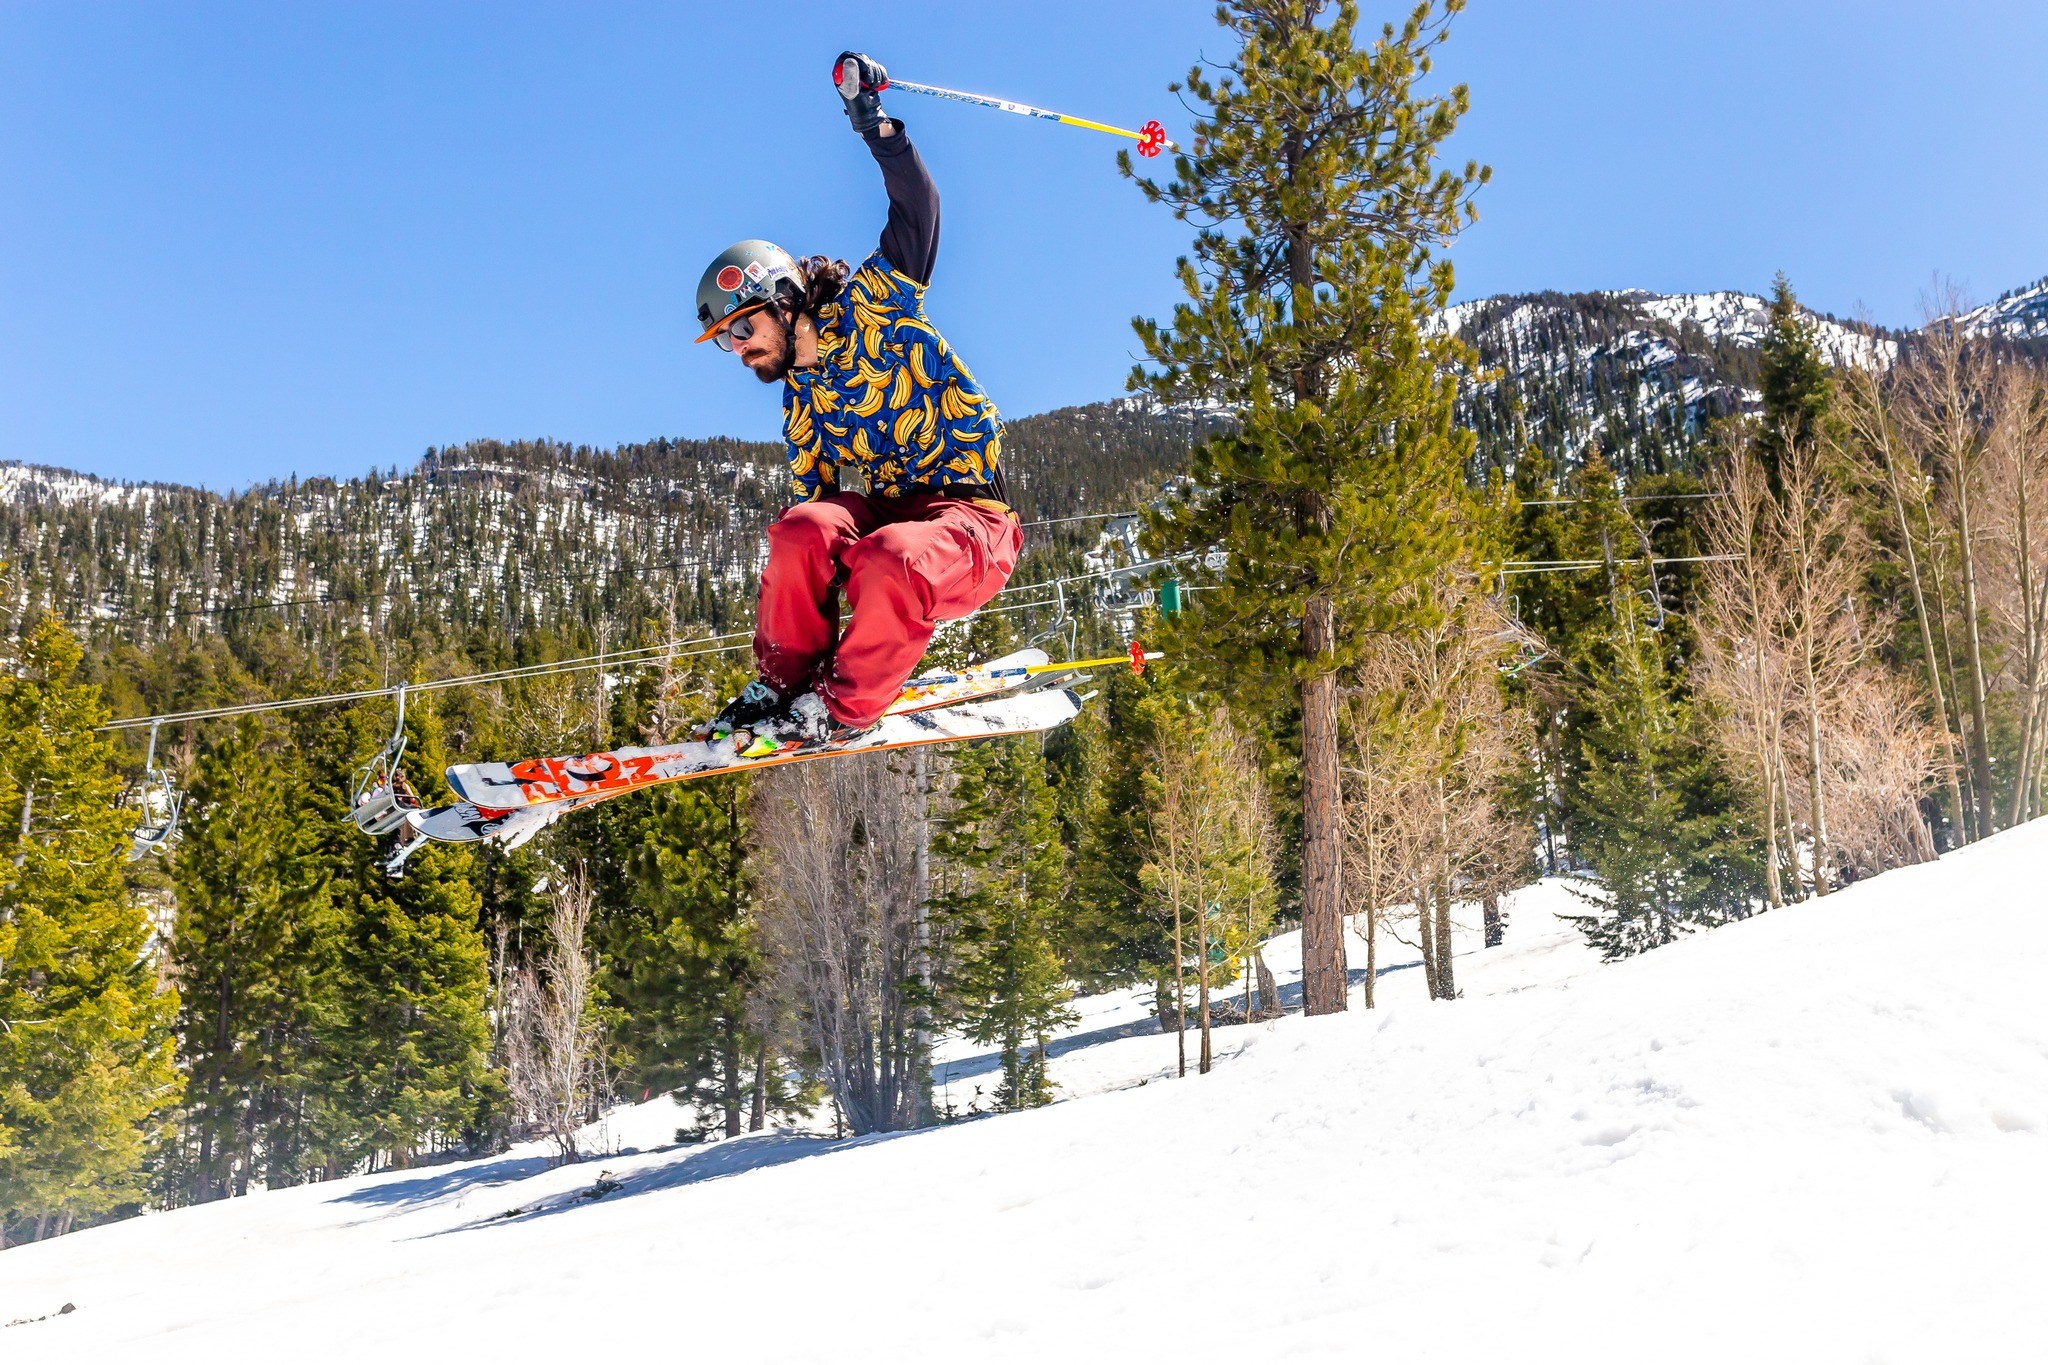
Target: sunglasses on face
{"x": 741, "y": 328}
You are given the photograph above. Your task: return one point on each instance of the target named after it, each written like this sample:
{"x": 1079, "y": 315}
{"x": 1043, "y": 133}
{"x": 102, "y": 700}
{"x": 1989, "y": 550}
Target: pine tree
{"x": 86, "y": 1049}
{"x": 1008, "y": 867}
{"x": 254, "y": 947}
{"x": 1341, "y": 482}
{"x": 1798, "y": 390}
{"x": 681, "y": 960}
{"x": 1110, "y": 932}
{"x": 1652, "y": 815}
{"x": 407, "y": 1065}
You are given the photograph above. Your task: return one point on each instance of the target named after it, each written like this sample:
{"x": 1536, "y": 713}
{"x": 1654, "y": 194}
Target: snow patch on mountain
{"x": 1745, "y": 319}
{"x": 2018, "y": 315}
{"x": 29, "y": 483}
{"x": 1723, "y": 316}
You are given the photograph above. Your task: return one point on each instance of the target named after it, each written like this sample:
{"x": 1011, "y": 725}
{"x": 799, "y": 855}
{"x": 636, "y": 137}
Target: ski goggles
{"x": 737, "y": 325}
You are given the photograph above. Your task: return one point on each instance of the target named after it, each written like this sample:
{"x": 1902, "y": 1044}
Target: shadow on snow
{"x": 687, "y": 1166}
{"x": 984, "y": 1063}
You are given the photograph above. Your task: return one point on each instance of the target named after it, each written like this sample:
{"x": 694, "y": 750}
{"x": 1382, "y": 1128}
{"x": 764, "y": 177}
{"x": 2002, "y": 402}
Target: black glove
{"x": 861, "y": 81}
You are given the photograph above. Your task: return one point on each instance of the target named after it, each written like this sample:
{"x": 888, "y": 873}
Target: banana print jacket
{"x": 888, "y": 395}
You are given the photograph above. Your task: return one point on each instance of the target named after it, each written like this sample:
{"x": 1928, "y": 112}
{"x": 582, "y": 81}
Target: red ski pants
{"x": 907, "y": 564}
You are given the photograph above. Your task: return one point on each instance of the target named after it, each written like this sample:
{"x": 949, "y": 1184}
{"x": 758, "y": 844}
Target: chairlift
{"x": 1655, "y": 595}
{"x": 1117, "y": 591}
{"x": 1063, "y": 626}
{"x": 158, "y": 803}
{"x": 1529, "y": 649}
{"x": 381, "y": 797}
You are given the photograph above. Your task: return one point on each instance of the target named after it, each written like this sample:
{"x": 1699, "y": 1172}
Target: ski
{"x": 1021, "y": 713}
{"x": 541, "y": 781}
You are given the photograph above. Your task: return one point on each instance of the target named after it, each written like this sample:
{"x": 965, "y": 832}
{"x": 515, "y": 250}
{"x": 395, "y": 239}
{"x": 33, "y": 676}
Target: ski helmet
{"x": 742, "y": 275}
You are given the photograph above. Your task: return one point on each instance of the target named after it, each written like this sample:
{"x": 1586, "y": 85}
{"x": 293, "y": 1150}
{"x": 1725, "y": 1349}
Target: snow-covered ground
{"x": 1821, "y": 1135}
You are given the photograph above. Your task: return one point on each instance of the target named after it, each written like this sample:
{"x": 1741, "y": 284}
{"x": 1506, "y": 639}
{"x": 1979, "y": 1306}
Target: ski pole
{"x": 1137, "y": 657}
{"x": 1150, "y": 138}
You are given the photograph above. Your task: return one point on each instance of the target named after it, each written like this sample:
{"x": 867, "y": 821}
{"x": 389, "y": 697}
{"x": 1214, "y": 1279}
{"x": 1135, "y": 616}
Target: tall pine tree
{"x": 1653, "y": 819}
{"x": 408, "y": 1055}
{"x": 86, "y": 1047}
{"x": 1315, "y": 160}
{"x": 255, "y": 948}
{"x": 681, "y": 959}
{"x": 1004, "y": 903}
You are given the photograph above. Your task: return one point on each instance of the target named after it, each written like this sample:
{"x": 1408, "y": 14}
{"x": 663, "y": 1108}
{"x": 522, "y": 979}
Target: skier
{"x": 869, "y": 386}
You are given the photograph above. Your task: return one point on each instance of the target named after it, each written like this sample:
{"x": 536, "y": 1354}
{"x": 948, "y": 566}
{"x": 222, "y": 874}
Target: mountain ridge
{"x": 505, "y": 535}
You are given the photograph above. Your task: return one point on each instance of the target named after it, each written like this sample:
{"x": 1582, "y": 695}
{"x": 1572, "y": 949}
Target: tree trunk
{"x": 1809, "y": 631}
{"x": 1373, "y": 878}
{"x": 1426, "y": 940}
{"x": 1955, "y": 690}
{"x": 1490, "y": 907}
{"x": 1180, "y": 988}
{"x": 729, "y": 1063}
{"x": 1269, "y": 989}
{"x": 1202, "y": 966}
{"x": 1324, "y": 987}
{"x": 921, "y": 940}
{"x": 1446, "y": 977}
{"x": 1372, "y": 950}
{"x": 757, "y": 1119}
{"x": 1791, "y": 832}
{"x": 1973, "y": 651}
{"x": 1948, "y": 743}
{"x": 1816, "y": 793}
{"x": 2031, "y": 617}
{"x": 1774, "y": 885}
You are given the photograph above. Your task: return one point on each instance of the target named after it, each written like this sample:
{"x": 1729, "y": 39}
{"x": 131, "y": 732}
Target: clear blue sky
{"x": 239, "y": 241}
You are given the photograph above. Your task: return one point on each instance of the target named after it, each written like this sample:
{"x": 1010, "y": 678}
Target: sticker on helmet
{"x": 756, "y": 272}
{"x": 729, "y": 278}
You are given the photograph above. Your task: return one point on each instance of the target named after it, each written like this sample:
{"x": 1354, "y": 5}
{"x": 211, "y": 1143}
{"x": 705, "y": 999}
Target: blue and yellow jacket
{"x": 888, "y": 395}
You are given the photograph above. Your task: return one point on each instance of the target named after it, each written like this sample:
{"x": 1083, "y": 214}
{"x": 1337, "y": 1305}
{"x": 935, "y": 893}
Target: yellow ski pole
{"x": 1150, "y": 138}
{"x": 1137, "y": 657}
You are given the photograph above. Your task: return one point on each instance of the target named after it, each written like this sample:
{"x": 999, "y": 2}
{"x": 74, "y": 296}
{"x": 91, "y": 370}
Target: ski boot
{"x": 756, "y": 703}
{"x": 803, "y": 723}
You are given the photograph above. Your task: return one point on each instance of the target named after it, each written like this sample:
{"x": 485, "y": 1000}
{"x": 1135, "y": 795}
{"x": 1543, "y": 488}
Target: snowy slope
{"x": 1821, "y": 1135}
{"x": 2018, "y": 315}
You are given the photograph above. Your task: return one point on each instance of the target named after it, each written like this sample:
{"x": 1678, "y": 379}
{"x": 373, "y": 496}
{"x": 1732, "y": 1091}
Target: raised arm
{"x": 911, "y": 238}
{"x": 910, "y": 241}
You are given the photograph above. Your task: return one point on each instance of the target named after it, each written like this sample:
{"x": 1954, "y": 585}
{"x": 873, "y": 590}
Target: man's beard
{"x": 775, "y": 373}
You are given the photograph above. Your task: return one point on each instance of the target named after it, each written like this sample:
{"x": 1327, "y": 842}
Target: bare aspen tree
{"x": 2015, "y": 521}
{"x": 1825, "y": 554}
{"x": 839, "y": 927}
{"x": 1744, "y": 666}
{"x": 1209, "y": 835}
{"x": 1881, "y": 755}
{"x": 1941, "y": 398}
{"x": 1873, "y": 447}
{"x": 1785, "y": 647}
{"x": 1434, "y": 747}
{"x": 554, "y": 1049}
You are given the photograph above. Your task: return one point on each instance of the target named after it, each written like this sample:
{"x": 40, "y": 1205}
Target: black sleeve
{"x": 911, "y": 239}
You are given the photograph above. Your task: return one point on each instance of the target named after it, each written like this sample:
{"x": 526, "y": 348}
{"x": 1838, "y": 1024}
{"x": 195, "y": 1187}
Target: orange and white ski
{"x": 539, "y": 781}
{"x": 470, "y": 821}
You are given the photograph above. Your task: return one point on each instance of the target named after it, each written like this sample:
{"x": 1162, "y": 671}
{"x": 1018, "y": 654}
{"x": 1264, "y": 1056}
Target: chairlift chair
{"x": 158, "y": 803}
{"x": 382, "y": 798}
{"x": 1063, "y": 626}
